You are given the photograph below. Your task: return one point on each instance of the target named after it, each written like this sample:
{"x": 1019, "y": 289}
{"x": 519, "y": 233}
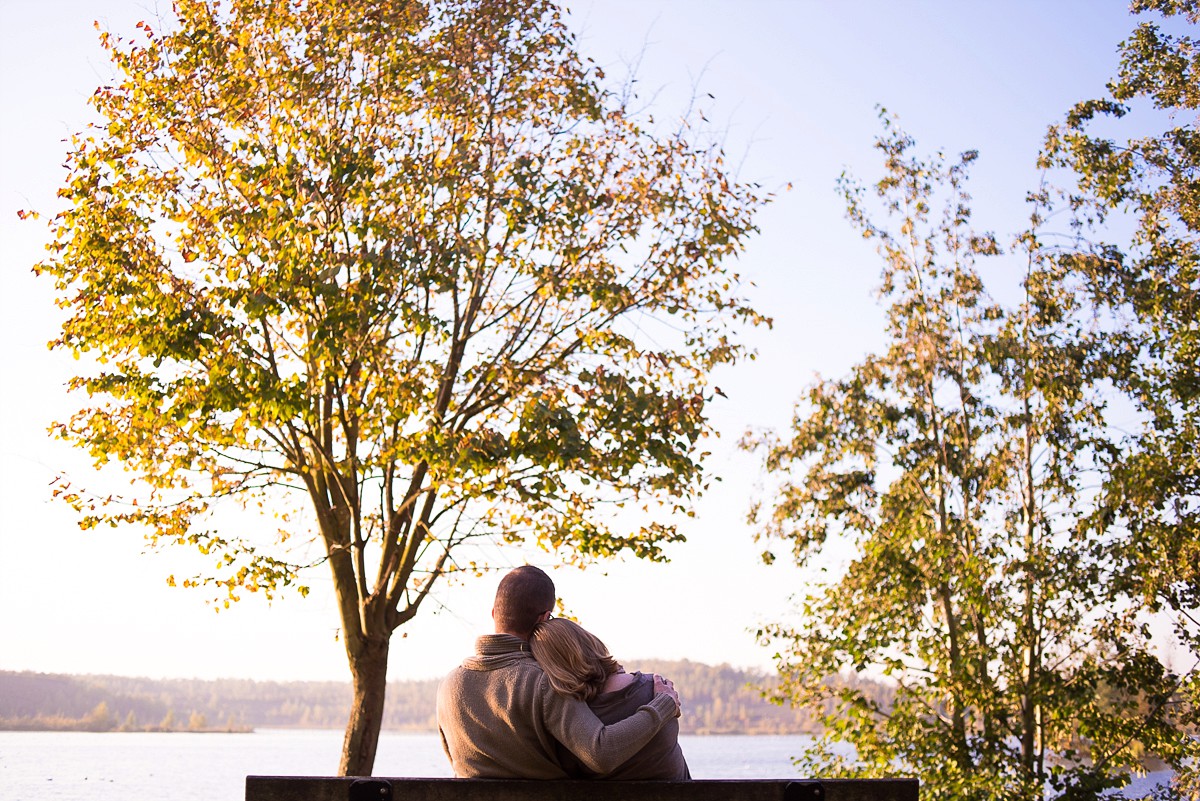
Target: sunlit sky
{"x": 795, "y": 84}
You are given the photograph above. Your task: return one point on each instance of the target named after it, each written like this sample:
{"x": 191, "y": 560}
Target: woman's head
{"x": 574, "y": 660}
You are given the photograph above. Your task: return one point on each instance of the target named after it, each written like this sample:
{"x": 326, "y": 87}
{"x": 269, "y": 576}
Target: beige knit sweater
{"x": 500, "y": 719}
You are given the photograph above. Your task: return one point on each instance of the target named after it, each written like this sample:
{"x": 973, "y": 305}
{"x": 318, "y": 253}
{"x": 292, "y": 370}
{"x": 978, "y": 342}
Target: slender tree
{"x": 1134, "y": 156}
{"x": 406, "y": 261}
{"x": 948, "y": 470}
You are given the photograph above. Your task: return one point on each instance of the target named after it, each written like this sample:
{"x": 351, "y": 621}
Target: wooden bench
{"x": 322, "y": 788}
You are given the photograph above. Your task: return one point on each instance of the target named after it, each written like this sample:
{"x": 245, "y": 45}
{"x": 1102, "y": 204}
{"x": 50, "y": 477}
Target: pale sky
{"x": 795, "y": 84}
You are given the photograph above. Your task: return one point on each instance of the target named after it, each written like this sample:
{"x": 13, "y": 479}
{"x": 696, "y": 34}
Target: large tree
{"x": 407, "y": 261}
{"x": 941, "y": 484}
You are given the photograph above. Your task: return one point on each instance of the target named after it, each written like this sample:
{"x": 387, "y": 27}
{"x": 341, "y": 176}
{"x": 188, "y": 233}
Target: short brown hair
{"x": 525, "y": 594}
{"x": 574, "y": 660}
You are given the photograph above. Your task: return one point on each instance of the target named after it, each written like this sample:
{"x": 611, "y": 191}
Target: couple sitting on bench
{"x": 543, "y": 699}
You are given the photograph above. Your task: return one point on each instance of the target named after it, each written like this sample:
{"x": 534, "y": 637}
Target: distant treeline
{"x": 716, "y": 700}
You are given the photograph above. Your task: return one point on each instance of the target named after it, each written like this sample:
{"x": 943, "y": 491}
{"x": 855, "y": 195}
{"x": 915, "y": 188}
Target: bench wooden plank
{"x": 335, "y": 788}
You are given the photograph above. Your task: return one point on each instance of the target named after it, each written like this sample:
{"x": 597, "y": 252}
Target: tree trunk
{"x": 1031, "y": 679}
{"x": 368, "y": 666}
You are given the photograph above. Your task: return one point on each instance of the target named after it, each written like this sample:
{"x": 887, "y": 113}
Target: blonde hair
{"x": 574, "y": 660}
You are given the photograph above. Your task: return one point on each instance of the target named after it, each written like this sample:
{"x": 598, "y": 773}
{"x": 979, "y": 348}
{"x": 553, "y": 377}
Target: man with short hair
{"x": 500, "y": 719}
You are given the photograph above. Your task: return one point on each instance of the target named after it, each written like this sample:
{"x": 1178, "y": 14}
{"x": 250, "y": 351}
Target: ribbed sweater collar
{"x": 494, "y": 651}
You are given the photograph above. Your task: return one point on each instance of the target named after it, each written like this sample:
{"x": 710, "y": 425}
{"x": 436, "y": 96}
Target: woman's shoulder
{"x": 636, "y": 688}
{"x": 616, "y": 682}
{"x": 642, "y": 678}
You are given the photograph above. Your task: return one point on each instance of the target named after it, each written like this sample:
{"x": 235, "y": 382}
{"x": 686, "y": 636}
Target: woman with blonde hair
{"x": 578, "y": 665}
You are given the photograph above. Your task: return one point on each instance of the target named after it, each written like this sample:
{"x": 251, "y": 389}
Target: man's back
{"x": 489, "y": 717}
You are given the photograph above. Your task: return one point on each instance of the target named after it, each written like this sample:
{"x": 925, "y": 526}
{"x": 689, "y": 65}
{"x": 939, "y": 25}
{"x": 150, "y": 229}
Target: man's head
{"x": 524, "y": 598}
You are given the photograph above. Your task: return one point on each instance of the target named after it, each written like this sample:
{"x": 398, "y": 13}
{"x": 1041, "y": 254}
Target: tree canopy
{"x": 954, "y": 470}
{"x": 1134, "y": 160}
{"x": 1137, "y": 166}
{"x": 411, "y": 263}
{"x": 1007, "y": 540}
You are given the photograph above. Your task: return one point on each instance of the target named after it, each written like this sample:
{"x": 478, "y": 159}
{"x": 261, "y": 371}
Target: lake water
{"x": 65, "y": 766}
{"x": 71, "y": 766}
